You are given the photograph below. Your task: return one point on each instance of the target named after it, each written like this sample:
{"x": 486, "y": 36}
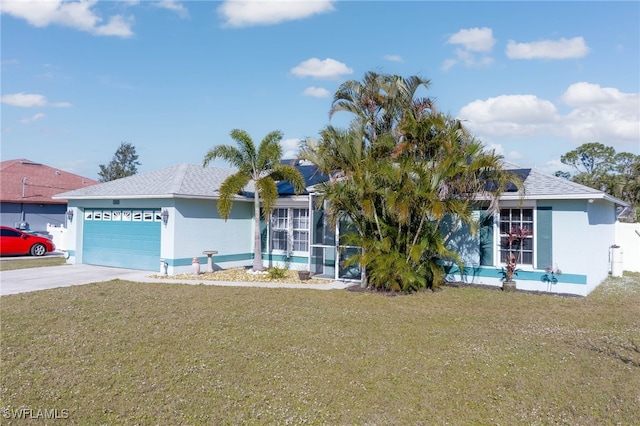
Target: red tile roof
{"x": 40, "y": 184}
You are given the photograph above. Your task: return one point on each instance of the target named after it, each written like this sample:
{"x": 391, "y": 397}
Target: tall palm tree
{"x": 405, "y": 177}
{"x": 379, "y": 101}
{"x": 260, "y": 166}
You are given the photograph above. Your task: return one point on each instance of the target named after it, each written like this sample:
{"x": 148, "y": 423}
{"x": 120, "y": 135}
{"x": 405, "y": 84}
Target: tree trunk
{"x": 257, "y": 243}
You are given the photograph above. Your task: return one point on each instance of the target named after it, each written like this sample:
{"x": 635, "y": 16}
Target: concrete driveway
{"x": 32, "y": 279}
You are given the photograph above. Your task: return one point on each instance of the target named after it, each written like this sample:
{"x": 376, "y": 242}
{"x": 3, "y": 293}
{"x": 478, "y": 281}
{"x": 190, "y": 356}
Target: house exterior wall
{"x": 581, "y": 233}
{"x": 195, "y": 226}
{"x": 36, "y": 215}
{"x": 75, "y": 227}
{"x": 601, "y": 236}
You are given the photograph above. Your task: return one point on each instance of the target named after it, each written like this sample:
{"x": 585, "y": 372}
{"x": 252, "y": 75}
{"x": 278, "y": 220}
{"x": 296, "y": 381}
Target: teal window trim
{"x": 494, "y": 272}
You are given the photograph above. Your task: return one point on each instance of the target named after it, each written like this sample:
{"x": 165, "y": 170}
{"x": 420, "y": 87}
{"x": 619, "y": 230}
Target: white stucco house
{"x": 573, "y": 231}
{"x": 160, "y": 220}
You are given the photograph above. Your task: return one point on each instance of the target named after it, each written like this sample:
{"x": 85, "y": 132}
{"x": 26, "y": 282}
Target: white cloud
{"x": 584, "y": 93}
{"x": 509, "y": 114}
{"x": 548, "y": 49}
{"x": 316, "y": 68}
{"x": 599, "y": 114}
{"x": 316, "y": 92}
{"x": 78, "y": 15}
{"x": 495, "y": 147}
{"x": 602, "y": 113}
{"x": 173, "y": 6}
{"x": 290, "y": 148}
{"x": 117, "y": 26}
{"x": 25, "y": 100}
{"x": 448, "y": 64}
{"x": 514, "y": 155}
{"x": 29, "y": 100}
{"x": 553, "y": 166}
{"x": 474, "y": 39}
{"x": 393, "y": 58}
{"x": 474, "y": 46}
{"x": 244, "y": 13}
{"x": 32, "y": 118}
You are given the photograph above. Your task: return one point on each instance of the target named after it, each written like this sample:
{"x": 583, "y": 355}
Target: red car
{"x": 14, "y": 241}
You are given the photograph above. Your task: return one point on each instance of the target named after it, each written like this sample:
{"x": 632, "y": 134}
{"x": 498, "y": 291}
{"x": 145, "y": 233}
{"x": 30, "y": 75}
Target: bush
{"x": 276, "y": 272}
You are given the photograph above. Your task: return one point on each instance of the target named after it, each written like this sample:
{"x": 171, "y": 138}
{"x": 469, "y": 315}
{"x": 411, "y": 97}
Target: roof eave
{"x": 597, "y": 196}
{"x": 148, "y": 197}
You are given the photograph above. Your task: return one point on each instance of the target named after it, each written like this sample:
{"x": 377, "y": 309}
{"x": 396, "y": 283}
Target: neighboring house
{"x": 26, "y": 189}
{"x": 161, "y": 220}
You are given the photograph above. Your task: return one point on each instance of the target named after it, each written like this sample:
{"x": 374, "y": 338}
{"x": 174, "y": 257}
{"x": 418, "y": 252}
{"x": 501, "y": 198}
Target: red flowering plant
{"x": 515, "y": 237}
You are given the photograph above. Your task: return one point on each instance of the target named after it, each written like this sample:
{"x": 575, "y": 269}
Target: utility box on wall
{"x": 616, "y": 261}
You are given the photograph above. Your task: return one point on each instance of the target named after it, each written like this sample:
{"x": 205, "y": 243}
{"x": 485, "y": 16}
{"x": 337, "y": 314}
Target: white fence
{"x": 58, "y": 236}
{"x": 628, "y": 238}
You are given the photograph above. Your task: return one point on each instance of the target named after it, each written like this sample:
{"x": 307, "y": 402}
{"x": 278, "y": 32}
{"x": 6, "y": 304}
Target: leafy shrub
{"x": 276, "y": 272}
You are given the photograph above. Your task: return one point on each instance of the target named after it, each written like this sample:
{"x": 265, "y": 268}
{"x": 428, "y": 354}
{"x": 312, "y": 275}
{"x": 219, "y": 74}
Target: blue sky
{"x": 532, "y": 80}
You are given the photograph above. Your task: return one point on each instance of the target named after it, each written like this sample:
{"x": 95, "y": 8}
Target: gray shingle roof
{"x": 180, "y": 181}
{"x": 194, "y": 181}
{"x": 539, "y": 185}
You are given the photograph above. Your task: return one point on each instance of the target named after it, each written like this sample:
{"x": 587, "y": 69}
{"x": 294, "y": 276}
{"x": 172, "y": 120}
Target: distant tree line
{"x": 601, "y": 167}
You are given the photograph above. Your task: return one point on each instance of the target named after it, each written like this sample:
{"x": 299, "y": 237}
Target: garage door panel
{"x": 124, "y": 244}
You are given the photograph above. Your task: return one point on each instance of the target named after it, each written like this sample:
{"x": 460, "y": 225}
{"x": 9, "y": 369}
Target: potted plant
{"x": 514, "y": 240}
{"x": 304, "y": 275}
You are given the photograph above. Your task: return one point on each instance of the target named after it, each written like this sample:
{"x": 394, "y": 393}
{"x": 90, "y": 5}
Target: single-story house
{"x": 160, "y": 220}
{"x": 26, "y": 194}
{"x": 573, "y": 229}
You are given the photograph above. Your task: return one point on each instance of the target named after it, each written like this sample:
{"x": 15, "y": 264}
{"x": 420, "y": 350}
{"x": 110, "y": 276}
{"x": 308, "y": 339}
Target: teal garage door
{"x": 122, "y": 238}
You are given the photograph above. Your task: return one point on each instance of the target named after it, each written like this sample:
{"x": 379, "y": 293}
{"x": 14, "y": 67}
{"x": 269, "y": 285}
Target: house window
{"x": 290, "y": 229}
{"x": 300, "y": 229}
{"x": 511, "y": 220}
{"x": 279, "y": 229}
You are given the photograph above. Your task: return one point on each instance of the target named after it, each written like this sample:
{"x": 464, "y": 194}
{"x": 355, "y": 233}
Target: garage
{"x": 123, "y": 238}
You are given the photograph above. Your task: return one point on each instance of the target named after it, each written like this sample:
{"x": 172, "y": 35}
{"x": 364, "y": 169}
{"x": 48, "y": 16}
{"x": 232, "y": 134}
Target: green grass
{"x": 130, "y": 353}
{"x": 36, "y": 262}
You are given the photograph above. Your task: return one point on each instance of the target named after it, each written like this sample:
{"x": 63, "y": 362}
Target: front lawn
{"x": 8, "y": 264}
{"x": 130, "y": 353}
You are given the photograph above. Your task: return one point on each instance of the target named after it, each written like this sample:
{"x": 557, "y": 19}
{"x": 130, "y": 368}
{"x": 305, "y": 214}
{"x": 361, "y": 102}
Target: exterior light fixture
{"x": 165, "y": 216}
{"x": 70, "y": 215}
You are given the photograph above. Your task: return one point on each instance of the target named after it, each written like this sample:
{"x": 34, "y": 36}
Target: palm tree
{"x": 260, "y": 166}
{"x": 379, "y": 101}
{"x": 405, "y": 177}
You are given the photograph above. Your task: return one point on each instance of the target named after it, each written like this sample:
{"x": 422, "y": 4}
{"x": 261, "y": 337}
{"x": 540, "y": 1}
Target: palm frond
{"x": 225, "y": 152}
{"x": 290, "y": 174}
{"x": 268, "y": 191}
{"x": 270, "y": 151}
{"x": 231, "y": 186}
{"x": 246, "y": 147}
